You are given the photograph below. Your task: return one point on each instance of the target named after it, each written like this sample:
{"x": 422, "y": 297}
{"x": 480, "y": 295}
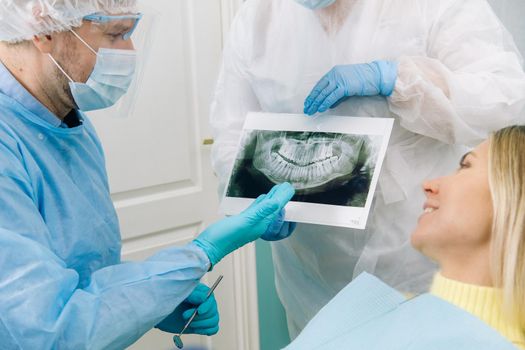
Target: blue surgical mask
{"x": 315, "y": 4}
{"x": 110, "y": 79}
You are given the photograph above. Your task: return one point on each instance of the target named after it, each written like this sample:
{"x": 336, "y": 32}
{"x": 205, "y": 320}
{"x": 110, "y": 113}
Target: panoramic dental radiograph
{"x": 325, "y": 168}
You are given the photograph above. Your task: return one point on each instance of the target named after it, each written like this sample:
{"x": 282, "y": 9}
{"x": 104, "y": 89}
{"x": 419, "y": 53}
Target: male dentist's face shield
{"x": 109, "y": 62}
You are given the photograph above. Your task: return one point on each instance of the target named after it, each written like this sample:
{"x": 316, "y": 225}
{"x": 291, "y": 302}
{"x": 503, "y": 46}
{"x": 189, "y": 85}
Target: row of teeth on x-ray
{"x": 298, "y": 163}
{"x": 304, "y": 156}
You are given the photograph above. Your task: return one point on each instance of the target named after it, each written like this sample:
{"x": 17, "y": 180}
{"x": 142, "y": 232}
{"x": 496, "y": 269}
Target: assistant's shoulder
{"x": 448, "y": 10}
{"x": 468, "y": 23}
{"x": 252, "y": 23}
{"x": 253, "y": 11}
{"x": 431, "y": 11}
{"x": 426, "y": 11}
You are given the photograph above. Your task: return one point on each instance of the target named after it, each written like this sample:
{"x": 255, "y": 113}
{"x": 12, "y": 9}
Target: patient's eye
{"x": 464, "y": 164}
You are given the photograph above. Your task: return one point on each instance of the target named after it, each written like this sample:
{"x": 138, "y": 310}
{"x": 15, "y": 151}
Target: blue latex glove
{"x": 207, "y": 320}
{"x": 279, "y": 229}
{"x": 342, "y": 82}
{"x": 263, "y": 218}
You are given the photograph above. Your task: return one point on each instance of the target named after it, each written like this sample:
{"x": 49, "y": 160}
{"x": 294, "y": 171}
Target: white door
{"x": 159, "y": 168}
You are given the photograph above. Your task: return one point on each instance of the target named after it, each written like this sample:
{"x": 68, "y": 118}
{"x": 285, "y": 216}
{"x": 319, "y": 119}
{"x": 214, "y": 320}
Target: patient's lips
{"x": 306, "y": 159}
{"x": 430, "y": 207}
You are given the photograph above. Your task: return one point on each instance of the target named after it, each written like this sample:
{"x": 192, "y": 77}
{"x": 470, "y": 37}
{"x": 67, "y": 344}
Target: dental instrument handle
{"x": 210, "y": 292}
{"x": 219, "y": 279}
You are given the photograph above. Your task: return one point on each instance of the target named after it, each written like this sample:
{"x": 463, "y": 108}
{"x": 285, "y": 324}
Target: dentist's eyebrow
{"x": 119, "y": 27}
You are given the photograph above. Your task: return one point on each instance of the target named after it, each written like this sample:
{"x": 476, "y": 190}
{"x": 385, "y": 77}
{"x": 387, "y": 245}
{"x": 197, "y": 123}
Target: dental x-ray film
{"x": 332, "y": 162}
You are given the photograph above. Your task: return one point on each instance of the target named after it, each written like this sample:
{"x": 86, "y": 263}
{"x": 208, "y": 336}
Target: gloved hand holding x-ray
{"x": 264, "y": 218}
{"x": 343, "y": 82}
{"x": 331, "y": 163}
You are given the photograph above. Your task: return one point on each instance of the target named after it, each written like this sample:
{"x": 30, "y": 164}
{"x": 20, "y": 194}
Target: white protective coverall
{"x": 460, "y": 77}
{"x": 511, "y": 12}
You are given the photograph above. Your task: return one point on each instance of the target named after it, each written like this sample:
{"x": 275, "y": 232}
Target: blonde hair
{"x": 507, "y": 186}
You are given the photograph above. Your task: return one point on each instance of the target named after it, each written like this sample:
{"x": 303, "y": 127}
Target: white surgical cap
{"x": 22, "y": 19}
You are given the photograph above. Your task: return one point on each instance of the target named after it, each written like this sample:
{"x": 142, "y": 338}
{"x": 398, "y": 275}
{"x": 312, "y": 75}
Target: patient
{"x": 473, "y": 226}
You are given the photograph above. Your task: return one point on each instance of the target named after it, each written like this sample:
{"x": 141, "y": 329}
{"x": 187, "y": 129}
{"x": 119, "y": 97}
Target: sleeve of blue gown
{"x": 42, "y": 304}
{"x": 43, "y": 308}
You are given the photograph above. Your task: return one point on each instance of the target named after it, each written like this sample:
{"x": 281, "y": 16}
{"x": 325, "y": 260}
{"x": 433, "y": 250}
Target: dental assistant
{"x": 447, "y": 71}
{"x": 62, "y": 283}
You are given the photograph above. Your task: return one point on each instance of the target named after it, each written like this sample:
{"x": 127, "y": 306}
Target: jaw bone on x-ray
{"x": 326, "y": 168}
{"x": 311, "y": 162}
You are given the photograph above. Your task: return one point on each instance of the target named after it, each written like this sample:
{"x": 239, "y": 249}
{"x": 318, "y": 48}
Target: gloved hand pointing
{"x": 263, "y": 218}
{"x": 342, "y": 82}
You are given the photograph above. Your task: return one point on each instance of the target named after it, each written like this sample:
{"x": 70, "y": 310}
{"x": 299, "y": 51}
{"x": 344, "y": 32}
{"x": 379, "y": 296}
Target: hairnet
{"x": 22, "y": 19}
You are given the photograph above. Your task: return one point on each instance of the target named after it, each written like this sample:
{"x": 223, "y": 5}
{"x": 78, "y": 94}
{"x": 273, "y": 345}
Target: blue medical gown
{"x": 368, "y": 314}
{"x": 62, "y": 284}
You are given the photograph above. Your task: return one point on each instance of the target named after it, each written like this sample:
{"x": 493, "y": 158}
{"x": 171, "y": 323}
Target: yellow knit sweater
{"x": 483, "y": 302}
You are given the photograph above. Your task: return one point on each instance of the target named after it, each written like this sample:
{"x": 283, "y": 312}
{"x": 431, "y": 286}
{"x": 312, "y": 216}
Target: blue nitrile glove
{"x": 342, "y": 82}
{"x": 279, "y": 229}
{"x": 207, "y": 320}
{"x": 261, "y": 218}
